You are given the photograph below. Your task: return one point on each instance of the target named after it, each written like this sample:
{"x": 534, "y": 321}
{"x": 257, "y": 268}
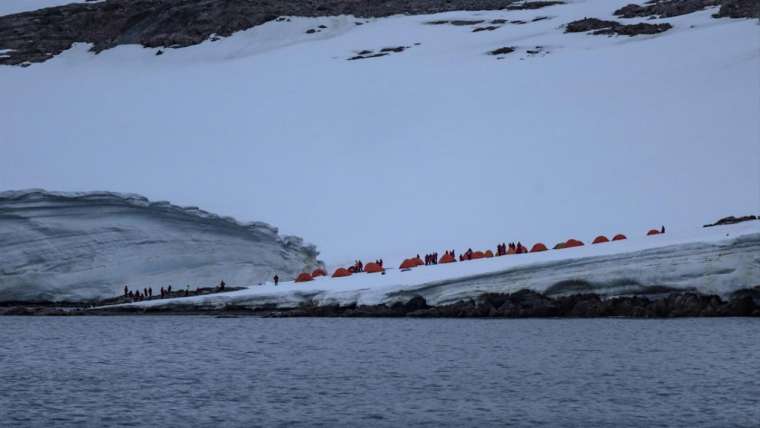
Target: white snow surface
{"x": 79, "y": 246}
{"x": 716, "y": 260}
{"x": 436, "y": 147}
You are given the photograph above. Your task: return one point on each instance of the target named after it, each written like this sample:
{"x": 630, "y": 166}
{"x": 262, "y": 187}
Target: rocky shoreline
{"x": 521, "y": 304}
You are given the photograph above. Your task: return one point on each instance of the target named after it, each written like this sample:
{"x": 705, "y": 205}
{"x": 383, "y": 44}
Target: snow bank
{"x": 73, "y": 246}
{"x": 716, "y": 260}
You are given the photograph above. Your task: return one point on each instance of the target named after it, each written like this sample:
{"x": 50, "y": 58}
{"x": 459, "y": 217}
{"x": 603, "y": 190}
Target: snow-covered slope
{"x": 716, "y": 260}
{"x": 71, "y": 246}
{"x": 438, "y": 146}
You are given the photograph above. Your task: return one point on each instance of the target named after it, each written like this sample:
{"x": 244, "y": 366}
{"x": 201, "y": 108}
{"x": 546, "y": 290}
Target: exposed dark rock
{"x": 502, "y": 51}
{"x": 600, "y": 27}
{"x": 671, "y": 8}
{"x": 499, "y": 21}
{"x": 37, "y": 36}
{"x": 518, "y": 22}
{"x": 664, "y": 9}
{"x": 530, "y": 5}
{"x": 635, "y": 29}
{"x": 394, "y": 49}
{"x": 488, "y": 28}
{"x": 732, "y": 220}
{"x": 354, "y": 58}
{"x": 588, "y": 24}
{"x": 539, "y": 18}
{"x": 311, "y": 31}
{"x": 738, "y": 9}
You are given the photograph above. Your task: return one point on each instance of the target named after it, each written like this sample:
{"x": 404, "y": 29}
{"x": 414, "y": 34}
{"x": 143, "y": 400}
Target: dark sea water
{"x": 204, "y": 371}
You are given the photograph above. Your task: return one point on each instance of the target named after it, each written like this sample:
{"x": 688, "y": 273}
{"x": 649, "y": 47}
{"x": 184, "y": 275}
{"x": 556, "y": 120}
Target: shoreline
{"x": 520, "y": 304}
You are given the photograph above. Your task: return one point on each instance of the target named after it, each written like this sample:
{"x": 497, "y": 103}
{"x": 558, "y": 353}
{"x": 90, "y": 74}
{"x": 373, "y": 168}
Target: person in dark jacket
{"x": 276, "y": 280}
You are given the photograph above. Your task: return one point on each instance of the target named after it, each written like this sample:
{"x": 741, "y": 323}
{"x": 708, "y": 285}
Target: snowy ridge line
{"x": 714, "y": 263}
{"x": 137, "y": 200}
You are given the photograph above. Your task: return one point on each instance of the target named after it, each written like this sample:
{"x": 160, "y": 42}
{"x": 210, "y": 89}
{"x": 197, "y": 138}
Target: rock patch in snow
{"x": 602, "y": 27}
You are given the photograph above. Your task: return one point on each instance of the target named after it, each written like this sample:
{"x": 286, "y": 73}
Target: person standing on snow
{"x": 276, "y": 280}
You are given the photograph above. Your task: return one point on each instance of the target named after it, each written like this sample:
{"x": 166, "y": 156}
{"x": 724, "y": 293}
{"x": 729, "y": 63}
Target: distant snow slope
{"x": 435, "y": 147}
{"x": 716, "y": 260}
{"x": 72, "y": 246}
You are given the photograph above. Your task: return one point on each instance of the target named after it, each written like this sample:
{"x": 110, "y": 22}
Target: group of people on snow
{"x": 147, "y": 293}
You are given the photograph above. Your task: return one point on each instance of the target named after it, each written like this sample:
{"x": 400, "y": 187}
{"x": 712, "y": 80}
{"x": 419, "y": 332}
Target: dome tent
{"x": 601, "y": 239}
{"x": 304, "y": 277}
{"x": 341, "y": 272}
{"x": 619, "y": 237}
{"x": 447, "y": 258}
{"x": 408, "y": 263}
{"x": 373, "y": 268}
{"x": 538, "y": 247}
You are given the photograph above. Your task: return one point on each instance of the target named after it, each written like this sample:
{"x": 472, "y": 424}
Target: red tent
{"x": 600, "y": 239}
{"x": 511, "y": 251}
{"x": 447, "y": 258}
{"x": 488, "y": 253}
{"x": 538, "y": 247}
{"x": 372, "y": 268}
{"x": 409, "y": 263}
{"x": 560, "y": 246}
{"x": 341, "y": 272}
{"x": 653, "y": 232}
{"x": 573, "y": 243}
{"x": 418, "y": 261}
{"x": 619, "y": 237}
{"x": 477, "y": 255}
{"x": 318, "y": 272}
{"x": 304, "y": 277}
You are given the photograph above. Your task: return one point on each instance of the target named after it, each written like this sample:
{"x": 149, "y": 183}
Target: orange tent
{"x": 573, "y": 243}
{"x": 489, "y": 253}
{"x": 341, "y": 272}
{"x": 560, "y": 246}
{"x": 538, "y": 247}
{"x": 304, "y": 277}
{"x": 653, "y": 232}
{"x": 418, "y": 261}
{"x": 372, "y": 268}
{"x": 477, "y": 255}
{"x": 600, "y": 239}
{"x": 511, "y": 251}
{"x": 318, "y": 272}
{"x": 447, "y": 258}
{"x": 409, "y": 263}
{"x": 619, "y": 237}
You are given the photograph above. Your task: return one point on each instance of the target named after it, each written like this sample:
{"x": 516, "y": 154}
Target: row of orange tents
{"x": 449, "y": 258}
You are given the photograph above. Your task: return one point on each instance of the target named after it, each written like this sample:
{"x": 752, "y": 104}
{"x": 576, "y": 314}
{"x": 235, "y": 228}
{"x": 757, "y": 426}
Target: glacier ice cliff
{"x": 80, "y": 246}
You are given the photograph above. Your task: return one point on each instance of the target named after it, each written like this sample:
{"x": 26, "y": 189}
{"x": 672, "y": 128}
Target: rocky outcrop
{"x": 671, "y": 8}
{"x": 39, "y": 35}
{"x": 738, "y": 9}
{"x": 665, "y": 9}
{"x": 601, "y": 27}
{"x": 87, "y": 246}
{"x": 732, "y": 220}
{"x": 529, "y": 304}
